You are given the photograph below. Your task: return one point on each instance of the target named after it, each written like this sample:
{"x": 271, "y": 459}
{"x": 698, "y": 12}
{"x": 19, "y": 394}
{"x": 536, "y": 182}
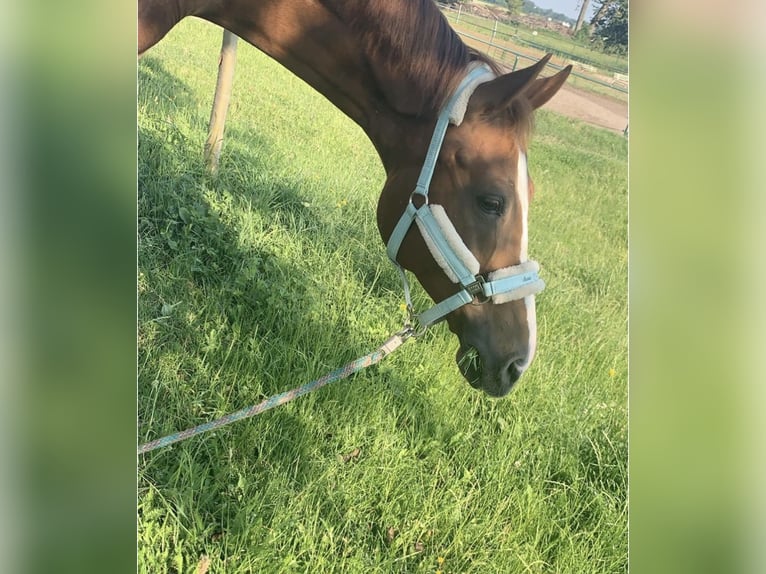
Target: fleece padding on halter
{"x": 460, "y": 103}
{"x": 515, "y": 282}
{"x": 459, "y": 249}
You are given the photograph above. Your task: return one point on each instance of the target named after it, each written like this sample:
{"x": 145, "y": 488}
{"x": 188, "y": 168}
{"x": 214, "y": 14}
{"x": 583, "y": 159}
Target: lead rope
{"x": 393, "y": 343}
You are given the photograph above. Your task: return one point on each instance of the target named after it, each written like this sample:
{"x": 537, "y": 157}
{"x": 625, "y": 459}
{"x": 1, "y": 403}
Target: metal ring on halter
{"x": 413, "y": 325}
{"x": 420, "y": 193}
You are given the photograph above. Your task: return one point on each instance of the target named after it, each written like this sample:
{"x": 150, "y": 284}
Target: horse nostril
{"x": 505, "y": 379}
{"x": 514, "y": 371}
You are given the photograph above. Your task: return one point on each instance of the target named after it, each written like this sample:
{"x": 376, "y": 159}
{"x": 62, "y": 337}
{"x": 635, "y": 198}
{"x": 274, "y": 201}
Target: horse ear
{"x": 498, "y": 93}
{"x": 543, "y": 89}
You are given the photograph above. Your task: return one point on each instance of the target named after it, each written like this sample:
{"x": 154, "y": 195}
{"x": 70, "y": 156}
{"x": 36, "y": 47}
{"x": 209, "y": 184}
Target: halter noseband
{"x": 441, "y": 238}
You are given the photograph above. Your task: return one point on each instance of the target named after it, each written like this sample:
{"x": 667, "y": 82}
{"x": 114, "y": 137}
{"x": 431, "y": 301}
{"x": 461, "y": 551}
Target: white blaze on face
{"x": 522, "y": 190}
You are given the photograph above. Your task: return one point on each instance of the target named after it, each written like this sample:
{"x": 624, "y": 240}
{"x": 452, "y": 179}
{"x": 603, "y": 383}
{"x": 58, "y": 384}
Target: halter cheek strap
{"x": 441, "y": 237}
{"x": 470, "y": 264}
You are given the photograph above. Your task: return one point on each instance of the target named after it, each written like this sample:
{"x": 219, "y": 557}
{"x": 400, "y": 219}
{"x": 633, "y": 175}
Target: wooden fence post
{"x": 221, "y": 100}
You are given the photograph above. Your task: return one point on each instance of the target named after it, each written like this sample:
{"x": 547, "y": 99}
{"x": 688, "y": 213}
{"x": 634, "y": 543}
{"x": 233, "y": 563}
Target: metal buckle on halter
{"x": 476, "y": 290}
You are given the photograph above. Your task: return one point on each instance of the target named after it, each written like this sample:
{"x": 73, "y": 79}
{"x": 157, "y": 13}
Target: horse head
{"x": 481, "y": 182}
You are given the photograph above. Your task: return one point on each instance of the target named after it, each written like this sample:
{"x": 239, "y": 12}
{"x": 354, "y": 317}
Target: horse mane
{"x": 413, "y": 40}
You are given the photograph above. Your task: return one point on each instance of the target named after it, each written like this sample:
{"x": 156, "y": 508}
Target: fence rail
{"x": 619, "y": 83}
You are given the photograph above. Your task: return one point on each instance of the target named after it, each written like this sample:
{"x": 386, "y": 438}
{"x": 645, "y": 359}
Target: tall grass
{"x": 273, "y": 274}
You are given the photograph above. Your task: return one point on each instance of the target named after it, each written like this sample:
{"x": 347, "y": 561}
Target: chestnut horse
{"x": 397, "y": 69}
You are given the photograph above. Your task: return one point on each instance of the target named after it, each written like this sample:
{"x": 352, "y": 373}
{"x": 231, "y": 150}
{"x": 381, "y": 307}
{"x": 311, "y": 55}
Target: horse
{"x": 451, "y": 130}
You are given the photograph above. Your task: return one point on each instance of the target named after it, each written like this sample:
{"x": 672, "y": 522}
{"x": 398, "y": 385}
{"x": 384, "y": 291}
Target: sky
{"x": 569, "y": 8}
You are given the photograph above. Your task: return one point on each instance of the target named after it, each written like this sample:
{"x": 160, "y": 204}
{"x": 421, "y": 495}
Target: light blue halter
{"x": 503, "y": 285}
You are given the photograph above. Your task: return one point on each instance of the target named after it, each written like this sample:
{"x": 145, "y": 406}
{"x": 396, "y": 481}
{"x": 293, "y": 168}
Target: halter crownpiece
{"x": 442, "y": 239}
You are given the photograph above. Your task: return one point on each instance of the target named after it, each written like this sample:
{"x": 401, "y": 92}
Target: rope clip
{"x": 412, "y": 326}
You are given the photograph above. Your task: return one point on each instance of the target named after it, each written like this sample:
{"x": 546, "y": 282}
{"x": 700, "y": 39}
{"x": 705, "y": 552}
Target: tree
{"x": 610, "y": 25}
{"x": 514, "y": 6}
{"x": 584, "y": 33}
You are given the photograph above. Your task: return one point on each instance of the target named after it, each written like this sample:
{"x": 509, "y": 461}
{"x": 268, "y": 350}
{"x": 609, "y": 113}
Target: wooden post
{"x": 221, "y": 100}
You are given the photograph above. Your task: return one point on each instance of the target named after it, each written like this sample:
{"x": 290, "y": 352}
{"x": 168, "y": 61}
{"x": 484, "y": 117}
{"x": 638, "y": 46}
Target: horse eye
{"x": 491, "y": 205}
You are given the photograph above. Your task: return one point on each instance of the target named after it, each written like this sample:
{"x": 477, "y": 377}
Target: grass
{"x": 274, "y": 273}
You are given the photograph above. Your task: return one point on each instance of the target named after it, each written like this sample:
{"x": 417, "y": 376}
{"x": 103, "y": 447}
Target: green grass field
{"x": 274, "y": 274}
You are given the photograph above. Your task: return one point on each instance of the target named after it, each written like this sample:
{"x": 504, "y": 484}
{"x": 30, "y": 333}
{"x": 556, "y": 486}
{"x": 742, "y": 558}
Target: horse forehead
{"x": 487, "y": 147}
{"x": 495, "y": 164}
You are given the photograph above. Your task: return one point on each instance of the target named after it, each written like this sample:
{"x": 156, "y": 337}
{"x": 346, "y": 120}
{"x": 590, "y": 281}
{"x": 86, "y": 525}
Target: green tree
{"x": 610, "y": 25}
{"x": 584, "y": 33}
{"x": 514, "y": 6}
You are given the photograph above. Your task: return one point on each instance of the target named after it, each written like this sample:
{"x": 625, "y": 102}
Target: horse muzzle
{"x": 497, "y": 379}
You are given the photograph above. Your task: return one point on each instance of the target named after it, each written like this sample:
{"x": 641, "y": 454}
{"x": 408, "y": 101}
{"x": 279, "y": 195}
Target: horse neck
{"x": 320, "y": 41}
